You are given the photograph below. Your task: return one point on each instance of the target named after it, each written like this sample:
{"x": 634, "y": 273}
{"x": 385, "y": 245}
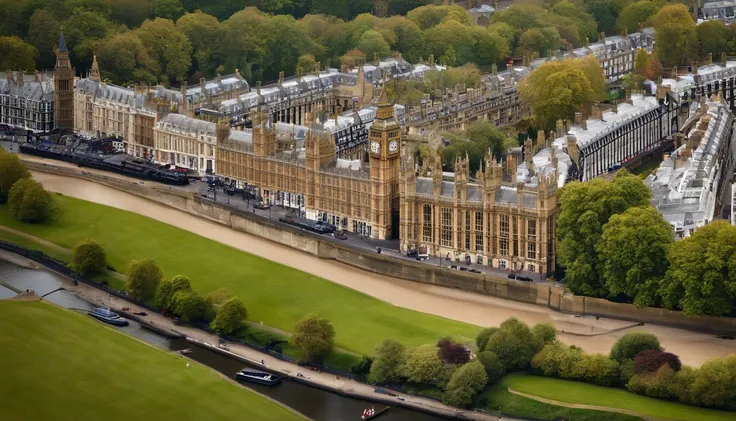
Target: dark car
{"x": 475, "y": 270}
{"x": 463, "y": 269}
{"x": 512, "y": 276}
{"x": 327, "y": 226}
{"x": 524, "y": 278}
{"x": 412, "y": 253}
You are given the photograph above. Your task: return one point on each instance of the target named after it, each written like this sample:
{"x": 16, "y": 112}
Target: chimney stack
{"x": 694, "y": 67}
{"x": 19, "y": 76}
{"x": 578, "y": 118}
{"x": 614, "y": 107}
{"x": 710, "y": 58}
{"x": 37, "y": 76}
{"x": 281, "y": 78}
{"x": 596, "y": 112}
{"x": 723, "y": 58}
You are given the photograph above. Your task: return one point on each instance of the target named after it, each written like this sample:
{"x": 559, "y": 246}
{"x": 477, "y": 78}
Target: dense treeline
{"x": 172, "y": 41}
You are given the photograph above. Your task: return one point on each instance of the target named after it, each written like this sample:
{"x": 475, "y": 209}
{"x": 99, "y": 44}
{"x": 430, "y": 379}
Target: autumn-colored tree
{"x": 676, "y": 39}
{"x": 17, "y": 55}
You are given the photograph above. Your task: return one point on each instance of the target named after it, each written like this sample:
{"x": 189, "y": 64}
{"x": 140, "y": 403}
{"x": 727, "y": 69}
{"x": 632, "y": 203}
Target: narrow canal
{"x": 316, "y": 404}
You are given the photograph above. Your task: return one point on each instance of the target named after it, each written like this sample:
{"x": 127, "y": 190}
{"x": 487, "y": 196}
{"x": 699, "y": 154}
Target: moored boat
{"x": 257, "y": 376}
{"x": 371, "y": 413}
{"x": 109, "y": 317}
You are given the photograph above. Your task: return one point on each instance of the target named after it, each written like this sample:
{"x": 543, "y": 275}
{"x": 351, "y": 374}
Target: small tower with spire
{"x": 63, "y": 87}
{"x": 94, "y": 72}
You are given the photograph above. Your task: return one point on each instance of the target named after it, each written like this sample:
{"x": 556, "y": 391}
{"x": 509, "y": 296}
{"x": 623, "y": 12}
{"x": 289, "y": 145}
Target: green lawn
{"x": 499, "y": 398}
{"x": 583, "y": 393}
{"x": 275, "y": 294}
{"x": 60, "y": 365}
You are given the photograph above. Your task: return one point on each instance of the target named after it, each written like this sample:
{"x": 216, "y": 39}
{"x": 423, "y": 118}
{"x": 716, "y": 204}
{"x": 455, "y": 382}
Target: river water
{"x": 314, "y": 403}
{"x": 694, "y": 348}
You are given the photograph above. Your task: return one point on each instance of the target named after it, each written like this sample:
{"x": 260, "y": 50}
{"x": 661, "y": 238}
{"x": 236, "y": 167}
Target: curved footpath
{"x": 694, "y": 348}
{"x": 583, "y": 406}
{"x": 326, "y": 381}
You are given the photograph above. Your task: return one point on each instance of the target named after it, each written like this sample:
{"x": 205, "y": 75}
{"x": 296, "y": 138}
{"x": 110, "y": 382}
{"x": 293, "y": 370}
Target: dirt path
{"x": 38, "y": 240}
{"x": 694, "y": 348}
{"x": 582, "y": 406}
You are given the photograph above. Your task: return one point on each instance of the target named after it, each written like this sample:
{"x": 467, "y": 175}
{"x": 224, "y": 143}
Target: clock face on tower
{"x": 393, "y": 146}
{"x": 375, "y": 147}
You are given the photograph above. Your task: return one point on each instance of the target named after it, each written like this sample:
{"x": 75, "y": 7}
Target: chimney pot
{"x": 578, "y": 119}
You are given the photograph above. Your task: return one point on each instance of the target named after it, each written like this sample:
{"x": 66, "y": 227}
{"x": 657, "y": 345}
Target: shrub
{"x": 633, "y": 343}
{"x": 597, "y": 369}
{"x": 315, "y": 337}
{"x": 218, "y": 296}
{"x": 649, "y": 361}
{"x": 30, "y": 202}
{"x": 452, "y": 353}
{"x": 11, "y": 170}
{"x": 423, "y": 365}
{"x": 460, "y": 397}
{"x": 229, "y": 317}
{"x": 387, "y": 364}
{"x": 168, "y": 288}
{"x": 144, "y": 277}
{"x": 655, "y": 385}
{"x": 557, "y": 360}
{"x": 362, "y": 367}
{"x": 513, "y": 343}
{"x": 544, "y": 333}
{"x": 471, "y": 375}
{"x": 88, "y": 258}
{"x": 482, "y": 338}
{"x": 188, "y": 305}
{"x": 491, "y": 363}
{"x": 626, "y": 371}
{"x": 714, "y": 383}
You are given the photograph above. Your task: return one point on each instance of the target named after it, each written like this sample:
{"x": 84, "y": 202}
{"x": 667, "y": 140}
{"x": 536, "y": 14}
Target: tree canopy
{"x": 676, "y": 38}
{"x": 30, "y": 202}
{"x": 389, "y": 359}
{"x": 584, "y": 209}
{"x": 315, "y": 336}
{"x": 143, "y": 278}
{"x": 11, "y": 170}
{"x": 230, "y": 316}
{"x": 88, "y": 258}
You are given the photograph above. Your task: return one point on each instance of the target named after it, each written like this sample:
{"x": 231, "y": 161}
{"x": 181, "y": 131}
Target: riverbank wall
{"x": 544, "y": 295}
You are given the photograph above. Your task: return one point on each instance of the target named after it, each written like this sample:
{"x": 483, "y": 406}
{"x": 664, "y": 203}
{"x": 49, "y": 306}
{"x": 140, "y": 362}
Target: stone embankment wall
{"x": 543, "y": 295}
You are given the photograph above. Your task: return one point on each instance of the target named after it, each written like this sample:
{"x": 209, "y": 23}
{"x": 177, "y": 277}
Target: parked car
{"x": 463, "y": 269}
{"x": 453, "y": 266}
{"x": 412, "y": 253}
{"x": 475, "y": 270}
{"x": 340, "y": 235}
{"x": 524, "y": 278}
{"x": 262, "y": 206}
{"x": 512, "y": 276}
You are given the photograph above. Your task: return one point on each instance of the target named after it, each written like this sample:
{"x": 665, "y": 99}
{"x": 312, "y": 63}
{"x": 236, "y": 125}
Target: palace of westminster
{"x": 330, "y": 145}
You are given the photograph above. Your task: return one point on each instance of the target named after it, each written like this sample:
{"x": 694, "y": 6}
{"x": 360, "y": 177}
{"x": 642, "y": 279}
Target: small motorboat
{"x": 109, "y": 317}
{"x": 371, "y": 413}
{"x": 257, "y": 376}
{"x": 186, "y": 351}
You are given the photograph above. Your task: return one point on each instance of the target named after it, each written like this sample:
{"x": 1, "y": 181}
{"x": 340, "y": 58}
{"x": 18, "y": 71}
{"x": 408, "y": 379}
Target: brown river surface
{"x": 694, "y": 348}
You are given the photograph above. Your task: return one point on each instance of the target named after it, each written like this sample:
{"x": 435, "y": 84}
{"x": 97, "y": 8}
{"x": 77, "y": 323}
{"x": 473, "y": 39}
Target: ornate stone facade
{"x": 486, "y": 220}
{"x": 63, "y": 88}
{"x": 308, "y": 177}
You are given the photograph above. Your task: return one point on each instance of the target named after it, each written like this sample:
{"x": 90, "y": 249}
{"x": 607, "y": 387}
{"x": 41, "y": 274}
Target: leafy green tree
{"x": 633, "y": 250}
{"x": 597, "y": 369}
{"x": 655, "y": 385}
{"x": 143, "y": 278}
{"x": 701, "y": 278}
{"x": 388, "y": 361}
{"x": 715, "y": 38}
{"x": 580, "y": 19}
{"x": 676, "y": 39}
{"x": 426, "y": 17}
{"x": 557, "y": 360}
{"x": 218, "y": 296}
{"x": 482, "y": 338}
{"x": 635, "y": 13}
{"x": 522, "y": 16}
{"x": 633, "y": 343}
{"x": 469, "y": 377}
{"x": 229, "y": 317}
{"x": 544, "y": 333}
{"x": 403, "y": 36}
{"x": 244, "y": 40}
{"x": 423, "y": 365}
{"x": 130, "y": 13}
{"x": 88, "y": 258}
{"x": 306, "y": 64}
{"x": 84, "y": 30}
{"x": 584, "y": 209}
{"x": 315, "y": 337}
{"x": 372, "y": 43}
{"x": 603, "y": 13}
{"x": 188, "y": 305}
{"x": 17, "y": 55}
{"x": 203, "y": 32}
{"x": 30, "y": 202}
{"x": 167, "y": 9}
{"x": 714, "y": 383}
{"x": 11, "y": 170}
{"x": 514, "y": 344}
{"x": 43, "y": 33}
{"x": 479, "y": 138}
{"x": 168, "y": 46}
{"x": 557, "y": 89}
{"x": 287, "y": 41}
{"x": 462, "y": 39}
{"x": 10, "y": 10}
{"x": 168, "y": 288}
{"x": 492, "y": 365}
{"x": 538, "y": 40}
{"x": 124, "y": 59}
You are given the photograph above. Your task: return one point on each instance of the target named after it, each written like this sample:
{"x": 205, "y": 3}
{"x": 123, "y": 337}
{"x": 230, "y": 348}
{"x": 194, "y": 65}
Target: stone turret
{"x": 437, "y": 175}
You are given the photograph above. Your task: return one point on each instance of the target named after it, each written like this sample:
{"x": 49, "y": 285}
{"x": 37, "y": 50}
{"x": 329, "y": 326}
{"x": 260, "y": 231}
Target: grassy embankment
{"x": 587, "y": 394}
{"x": 60, "y": 365}
{"x": 273, "y": 293}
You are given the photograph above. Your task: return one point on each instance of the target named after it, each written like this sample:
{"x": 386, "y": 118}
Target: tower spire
{"x": 95, "y": 70}
{"x": 62, "y": 42}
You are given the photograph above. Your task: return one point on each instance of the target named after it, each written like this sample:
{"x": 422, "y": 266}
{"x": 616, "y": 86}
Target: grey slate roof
{"x": 31, "y": 89}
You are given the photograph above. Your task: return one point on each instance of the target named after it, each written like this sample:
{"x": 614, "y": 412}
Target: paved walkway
{"x": 583, "y": 406}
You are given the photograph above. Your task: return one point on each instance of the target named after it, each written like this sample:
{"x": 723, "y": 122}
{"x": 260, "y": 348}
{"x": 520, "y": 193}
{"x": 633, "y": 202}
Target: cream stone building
{"x": 186, "y": 142}
{"x": 486, "y": 220}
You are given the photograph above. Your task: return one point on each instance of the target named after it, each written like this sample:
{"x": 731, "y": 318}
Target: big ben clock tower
{"x": 384, "y": 142}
